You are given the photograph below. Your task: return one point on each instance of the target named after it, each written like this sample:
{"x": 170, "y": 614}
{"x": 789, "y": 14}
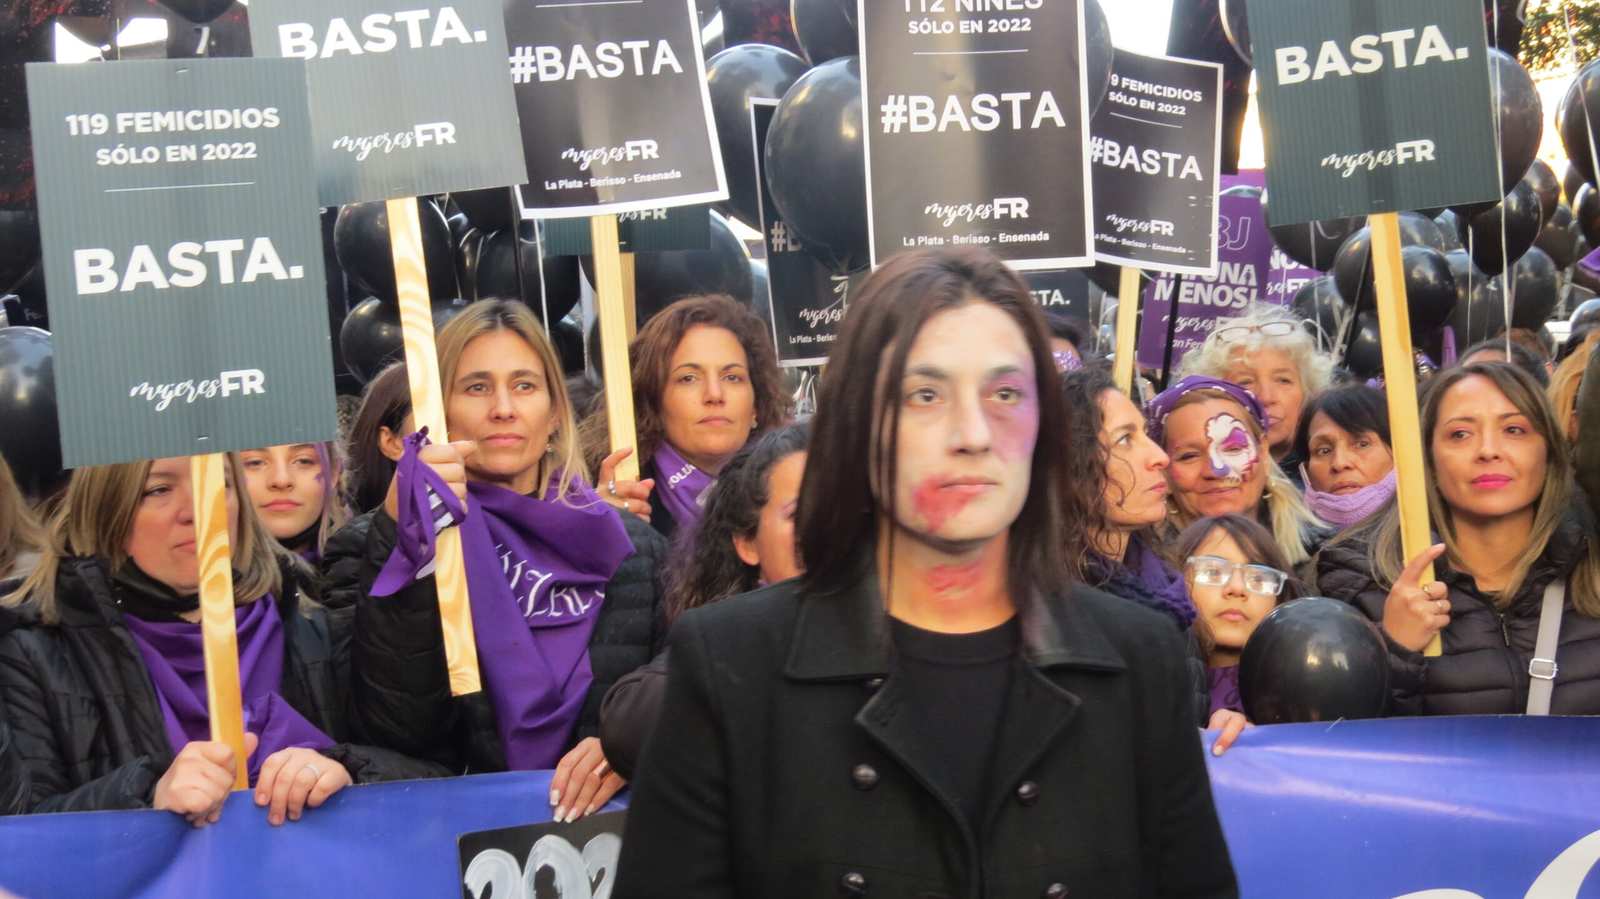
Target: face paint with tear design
{"x": 1234, "y": 454}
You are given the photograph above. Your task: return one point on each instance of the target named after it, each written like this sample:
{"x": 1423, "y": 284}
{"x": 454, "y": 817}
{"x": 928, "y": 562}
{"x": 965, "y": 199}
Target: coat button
{"x": 1055, "y": 891}
{"x": 873, "y": 684}
{"x": 1027, "y": 792}
{"x": 865, "y": 776}
{"x": 853, "y": 884}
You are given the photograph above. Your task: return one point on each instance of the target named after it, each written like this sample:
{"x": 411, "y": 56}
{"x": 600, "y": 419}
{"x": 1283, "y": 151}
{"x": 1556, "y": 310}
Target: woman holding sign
{"x": 935, "y": 707}
{"x": 1512, "y": 526}
{"x": 563, "y": 593}
{"x": 103, "y": 674}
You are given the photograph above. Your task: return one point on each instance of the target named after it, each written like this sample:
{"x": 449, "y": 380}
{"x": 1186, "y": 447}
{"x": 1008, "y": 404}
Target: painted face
{"x": 1488, "y": 460}
{"x": 287, "y": 487}
{"x": 772, "y": 547}
{"x": 1216, "y": 461}
{"x": 162, "y": 539}
{"x": 1136, "y": 469}
{"x": 1065, "y": 354}
{"x": 969, "y": 419}
{"x": 1271, "y": 375}
{"x": 1341, "y": 462}
{"x": 501, "y": 398}
{"x": 1230, "y": 611}
{"x": 709, "y": 405}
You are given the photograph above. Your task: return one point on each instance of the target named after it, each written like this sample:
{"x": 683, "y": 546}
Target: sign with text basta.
{"x": 407, "y": 97}
{"x": 615, "y": 111}
{"x": 1373, "y": 106}
{"x": 182, "y": 255}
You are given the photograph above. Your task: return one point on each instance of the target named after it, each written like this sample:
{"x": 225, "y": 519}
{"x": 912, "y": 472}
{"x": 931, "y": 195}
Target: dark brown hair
{"x": 1085, "y": 459}
{"x": 838, "y": 519}
{"x": 384, "y": 404}
{"x": 1259, "y": 547}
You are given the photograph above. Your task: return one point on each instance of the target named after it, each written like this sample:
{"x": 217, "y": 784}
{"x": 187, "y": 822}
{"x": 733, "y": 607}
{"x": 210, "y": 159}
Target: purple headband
{"x": 1162, "y": 404}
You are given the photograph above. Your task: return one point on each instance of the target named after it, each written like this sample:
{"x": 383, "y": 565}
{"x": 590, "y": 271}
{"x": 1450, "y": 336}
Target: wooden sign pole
{"x": 1400, "y": 385}
{"x": 427, "y": 409}
{"x": 630, "y": 305}
{"x": 616, "y": 313}
{"x": 1127, "y": 321}
{"x": 218, "y": 626}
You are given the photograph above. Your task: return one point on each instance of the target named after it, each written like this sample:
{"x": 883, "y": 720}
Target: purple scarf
{"x": 174, "y": 654}
{"x": 536, "y": 574}
{"x": 1344, "y": 511}
{"x": 1224, "y": 684}
{"x": 680, "y": 485}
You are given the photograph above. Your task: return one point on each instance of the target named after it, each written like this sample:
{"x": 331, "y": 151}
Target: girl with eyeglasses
{"x": 1236, "y": 575}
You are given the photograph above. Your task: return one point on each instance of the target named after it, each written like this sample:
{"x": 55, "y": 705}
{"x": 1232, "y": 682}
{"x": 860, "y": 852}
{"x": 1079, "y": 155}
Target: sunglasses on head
{"x": 1214, "y": 571}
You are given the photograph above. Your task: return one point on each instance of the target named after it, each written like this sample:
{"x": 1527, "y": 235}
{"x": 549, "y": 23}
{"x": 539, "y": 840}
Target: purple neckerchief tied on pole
{"x": 681, "y": 485}
{"x": 1162, "y": 404}
{"x": 537, "y": 570}
{"x": 174, "y": 654}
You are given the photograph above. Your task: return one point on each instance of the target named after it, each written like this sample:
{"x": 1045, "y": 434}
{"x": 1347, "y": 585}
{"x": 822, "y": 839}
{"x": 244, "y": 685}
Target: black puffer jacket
{"x": 1586, "y": 452}
{"x": 401, "y": 680}
{"x": 1484, "y": 666}
{"x": 87, "y": 724}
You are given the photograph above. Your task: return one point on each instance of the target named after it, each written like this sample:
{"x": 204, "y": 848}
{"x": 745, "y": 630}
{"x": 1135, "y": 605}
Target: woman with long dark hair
{"x": 937, "y": 706}
{"x": 1349, "y": 463}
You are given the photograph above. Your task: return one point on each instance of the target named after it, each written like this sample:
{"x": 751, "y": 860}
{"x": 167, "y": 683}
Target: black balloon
{"x": 492, "y": 273}
{"x": 662, "y": 277}
{"x": 31, "y": 438}
{"x": 1320, "y": 308}
{"x": 361, "y": 240}
{"x": 1098, "y": 60}
{"x": 825, "y": 32}
{"x": 1559, "y": 237}
{"x": 1578, "y": 135}
{"x": 1314, "y": 659}
{"x": 198, "y": 11}
{"x": 1446, "y": 221}
{"x": 370, "y": 338}
{"x": 1520, "y": 114}
{"x": 1352, "y": 265}
{"x": 1570, "y": 182}
{"x": 1588, "y": 312}
{"x": 732, "y": 78}
{"x": 1516, "y": 219}
{"x": 1313, "y": 244}
{"x": 1479, "y": 312}
{"x": 1586, "y": 210}
{"x": 1536, "y": 289}
{"x": 1430, "y": 289}
{"x": 1243, "y": 190}
{"x": 489, "y": 209}
{"x": 815, "y": 167}
{"x": 1543, "y": 180}
{"x": 1236, "y": 27}
{"x": 1364, "y": 354}
{"x": 568, "y": 340}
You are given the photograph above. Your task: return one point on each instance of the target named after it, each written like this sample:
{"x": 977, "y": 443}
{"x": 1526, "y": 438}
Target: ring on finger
{"x": 315, "y": 771}
{"x": 611, "y": 487}
{"x": 1443, "y": 606}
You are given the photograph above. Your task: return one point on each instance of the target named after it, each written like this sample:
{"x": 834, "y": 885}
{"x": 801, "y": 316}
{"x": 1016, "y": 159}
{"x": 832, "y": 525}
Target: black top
{"x": 955, "y": 687}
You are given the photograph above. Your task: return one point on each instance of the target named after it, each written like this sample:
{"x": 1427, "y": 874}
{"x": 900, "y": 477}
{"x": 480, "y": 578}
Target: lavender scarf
{"x": 536, "y": 574}
{"x": 681, "y": 486}
{"x": 174, "y": 655}
{"x": 1344, "y": 511}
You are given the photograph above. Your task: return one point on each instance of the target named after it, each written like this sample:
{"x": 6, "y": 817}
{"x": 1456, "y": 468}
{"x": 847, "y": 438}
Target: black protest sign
{"x": 1060, "y": 291}
{"x": 183, "y": 256}
{"x": 639, "y": 231}
{"x": 808, "y": 299}
{"x": 407, "y": 97}
{"x": 1155, "y": 148}
{"x": 976, "y": 129}
{"x": 615, "y": 112}
{"x": 569, "y": 860}
{"x": 1373, "y": 107}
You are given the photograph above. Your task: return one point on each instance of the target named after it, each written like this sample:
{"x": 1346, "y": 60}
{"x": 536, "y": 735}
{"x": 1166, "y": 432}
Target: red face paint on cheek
{"x": 937, "y": 506}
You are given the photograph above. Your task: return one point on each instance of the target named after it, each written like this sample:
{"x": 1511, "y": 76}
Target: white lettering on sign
{"x": 379, "y": 33}
{"x": 998, "y": 208}
{"x": 97, "y": 271}
{"x": 1048, "y": 297}
{"x": 607, "y": 59}
{"x": 1403, "y": 152}
{"x": 979, "y": 112}
{"x": 1153, "y": 227}
{"x": 630, "y": 151}
{"x": 243, "y": 381}
{"x": 1111, "y": 154}
{"x": 1367, "y": 55}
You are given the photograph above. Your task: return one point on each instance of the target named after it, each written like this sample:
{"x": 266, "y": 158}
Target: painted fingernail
{"x": 572, "y": 816}
{"x": 555, "y": 797}
{"x": 1216, "y": 749}
{"x": 561, "y": 812}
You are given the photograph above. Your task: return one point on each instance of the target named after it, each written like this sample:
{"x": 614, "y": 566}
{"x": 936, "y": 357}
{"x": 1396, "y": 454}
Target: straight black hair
{"x": 840, "y": 512}
{"x": 1356, "y": 408}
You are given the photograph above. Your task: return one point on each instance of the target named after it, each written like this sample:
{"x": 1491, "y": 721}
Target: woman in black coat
{"x": 102, "y": 673}
{"x": 563, "y": 592}
{"x": 1512, "y": 524}
{"x": 934, "y": 708}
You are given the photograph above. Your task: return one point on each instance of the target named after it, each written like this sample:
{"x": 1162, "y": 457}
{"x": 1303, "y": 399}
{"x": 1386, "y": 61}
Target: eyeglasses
{"x": 1270, "y": 329}
{"x": 1213, "y": 571}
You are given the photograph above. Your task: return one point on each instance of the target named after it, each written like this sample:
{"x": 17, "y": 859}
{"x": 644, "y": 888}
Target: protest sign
{"x": 183, "y": 257}
{"x": 808, "y": 299}
{"x": 573, "y": 861}
{"x": 614, "y": 107}
{"x": 640, "y": 231}
{"x": 976, "y": 130}
{"x": 1373, "y": 107}
{"x": 1155, "y": 148}
{"x": 1065, "y": 292}
{"x": 407, "y": 97}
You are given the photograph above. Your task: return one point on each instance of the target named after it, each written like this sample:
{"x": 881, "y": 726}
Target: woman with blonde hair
{"x": 1565, "y": 383}
{"x": 20, "y": 534}
{"x": 103, "y": 672}
{"x": 295, "y": 490}
{"x": 563, "y": 593}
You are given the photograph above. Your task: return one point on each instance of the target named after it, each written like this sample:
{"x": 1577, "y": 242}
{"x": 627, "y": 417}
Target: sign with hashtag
{"x": 978, "y": 127}
{"x": 807, "y": 297}
{"x": 1373, "y": 107}
{"x": 615, "y": 112}
{"x": 408, "y": 97}
{"x": 1154, "y": 146}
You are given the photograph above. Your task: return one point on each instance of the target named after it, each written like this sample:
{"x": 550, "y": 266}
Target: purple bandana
{"x": 174, "y": 654}
{"x": 1344, "y": 511}
{"x": 1162, "y": 404}
{"x": 536, "y": 574}
{"x": 681, "y": 485}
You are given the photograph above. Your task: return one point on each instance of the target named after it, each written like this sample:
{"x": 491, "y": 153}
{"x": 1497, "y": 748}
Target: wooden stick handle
{"x": 1127, "y": 318}
{"x": 630, "y": 301}
{"x": 427, "y": 409}
{"x": 614, "y": 310}
{"x": 218, "y": 626}
{"x": 1400, "y": 385}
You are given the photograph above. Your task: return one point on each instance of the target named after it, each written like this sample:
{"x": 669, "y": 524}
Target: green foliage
{"x": 1545, "y": 41}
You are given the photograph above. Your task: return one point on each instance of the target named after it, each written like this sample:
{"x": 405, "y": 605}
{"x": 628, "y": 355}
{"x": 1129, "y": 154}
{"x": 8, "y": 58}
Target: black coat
{"x": 780, "y": 768}
{"x": 1586, "y": 451}
{"x": 1484, "y": 666}
{"x": 88, "y": 726}
{"x": 401, "y": 679}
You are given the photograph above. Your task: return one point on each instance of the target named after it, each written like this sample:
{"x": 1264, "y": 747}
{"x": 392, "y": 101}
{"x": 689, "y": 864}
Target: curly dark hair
{"x": 1083, "y": 487}
{"x": 707, "y": 568}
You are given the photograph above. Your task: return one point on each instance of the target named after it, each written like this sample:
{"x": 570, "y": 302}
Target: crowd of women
{"x": 957, "y": 634}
